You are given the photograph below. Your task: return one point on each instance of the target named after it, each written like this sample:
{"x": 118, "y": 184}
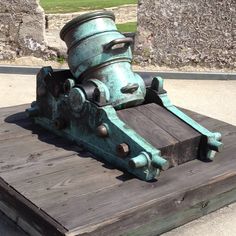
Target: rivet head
{"x": 102, "y": 131}
{"x": 122, "y": 149}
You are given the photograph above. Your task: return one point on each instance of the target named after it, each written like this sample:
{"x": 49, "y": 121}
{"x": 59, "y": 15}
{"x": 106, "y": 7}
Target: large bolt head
{"x": 102, "y": 130}
{"x": 122, "y": 149}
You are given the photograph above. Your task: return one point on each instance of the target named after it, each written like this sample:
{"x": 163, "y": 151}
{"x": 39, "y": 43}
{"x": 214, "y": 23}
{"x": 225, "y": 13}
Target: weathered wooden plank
{"x": 177, "y": 141}
{"x": 206, "y": 121}
{"x": 167, "y": 121}
{"x": 146, "y": 128}
{"x": 9, "y": 111}
{"x": 21, "y": 151}
{"x": 8, "y": 132}
{"x": 162, "y": 223}
{"x": 20, "y": 210}
{"x": 49, "y": 183}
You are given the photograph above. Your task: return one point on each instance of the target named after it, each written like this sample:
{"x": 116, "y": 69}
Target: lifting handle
{"x": 122, "y": 43}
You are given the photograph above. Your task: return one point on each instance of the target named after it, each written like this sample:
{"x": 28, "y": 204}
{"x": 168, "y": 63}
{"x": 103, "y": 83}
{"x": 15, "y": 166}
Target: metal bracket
{"x": 102, "y": 94}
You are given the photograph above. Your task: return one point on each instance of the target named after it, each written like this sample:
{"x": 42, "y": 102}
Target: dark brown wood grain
{"x": 177, "y": 141}
{"x": 55, "y": 188}
{"x": 12, "y": 201}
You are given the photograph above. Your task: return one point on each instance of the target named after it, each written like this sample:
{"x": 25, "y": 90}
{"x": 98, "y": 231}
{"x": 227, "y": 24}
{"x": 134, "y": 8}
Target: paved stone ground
{"x": 211, "y": 98}
{"x": 218, "y": 223}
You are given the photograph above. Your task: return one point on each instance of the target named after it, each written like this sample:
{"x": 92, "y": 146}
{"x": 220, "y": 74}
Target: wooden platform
{"x": 50, "y": 187}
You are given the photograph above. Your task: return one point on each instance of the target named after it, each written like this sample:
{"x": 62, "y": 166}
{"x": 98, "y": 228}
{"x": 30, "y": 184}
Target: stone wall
{"x": 22, "y": 29}
{"x": 178, "y": 33}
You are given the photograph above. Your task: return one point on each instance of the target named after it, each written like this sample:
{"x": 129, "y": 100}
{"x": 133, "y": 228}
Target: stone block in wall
{"x": 22, "y": 29}
{"x": 176, "y": 33}
{"x": 5, "y": 27}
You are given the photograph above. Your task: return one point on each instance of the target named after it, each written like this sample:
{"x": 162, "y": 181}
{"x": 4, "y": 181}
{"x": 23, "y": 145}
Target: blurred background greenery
{"x": 66, "y": 6}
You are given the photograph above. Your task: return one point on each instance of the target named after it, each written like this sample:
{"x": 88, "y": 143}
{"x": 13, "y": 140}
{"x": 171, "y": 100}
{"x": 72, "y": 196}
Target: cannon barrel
{"x": 97, "y": 50}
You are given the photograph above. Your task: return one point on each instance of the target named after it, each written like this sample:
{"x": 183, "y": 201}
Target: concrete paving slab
{"x": 218, "y": 223}
{"x": 17, "y": 89}
{"x": 216, "y": 99}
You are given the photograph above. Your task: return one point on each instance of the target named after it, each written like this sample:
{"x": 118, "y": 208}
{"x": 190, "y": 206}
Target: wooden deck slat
{"x": 7, "y": 111}
{"x": 70, "y": 192}
{"x": 167, "y": 121}
{"x": 141, "y": 125}
{"x": 64, "y": 178}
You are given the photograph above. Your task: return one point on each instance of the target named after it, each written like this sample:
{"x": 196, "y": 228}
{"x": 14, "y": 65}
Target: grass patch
{"x": 127, "y": 27}
{"x": 66, "y": 6}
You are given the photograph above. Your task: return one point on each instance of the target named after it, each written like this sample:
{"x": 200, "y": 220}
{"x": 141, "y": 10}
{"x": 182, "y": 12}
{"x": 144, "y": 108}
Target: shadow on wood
{"x": 21, "y": 119}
